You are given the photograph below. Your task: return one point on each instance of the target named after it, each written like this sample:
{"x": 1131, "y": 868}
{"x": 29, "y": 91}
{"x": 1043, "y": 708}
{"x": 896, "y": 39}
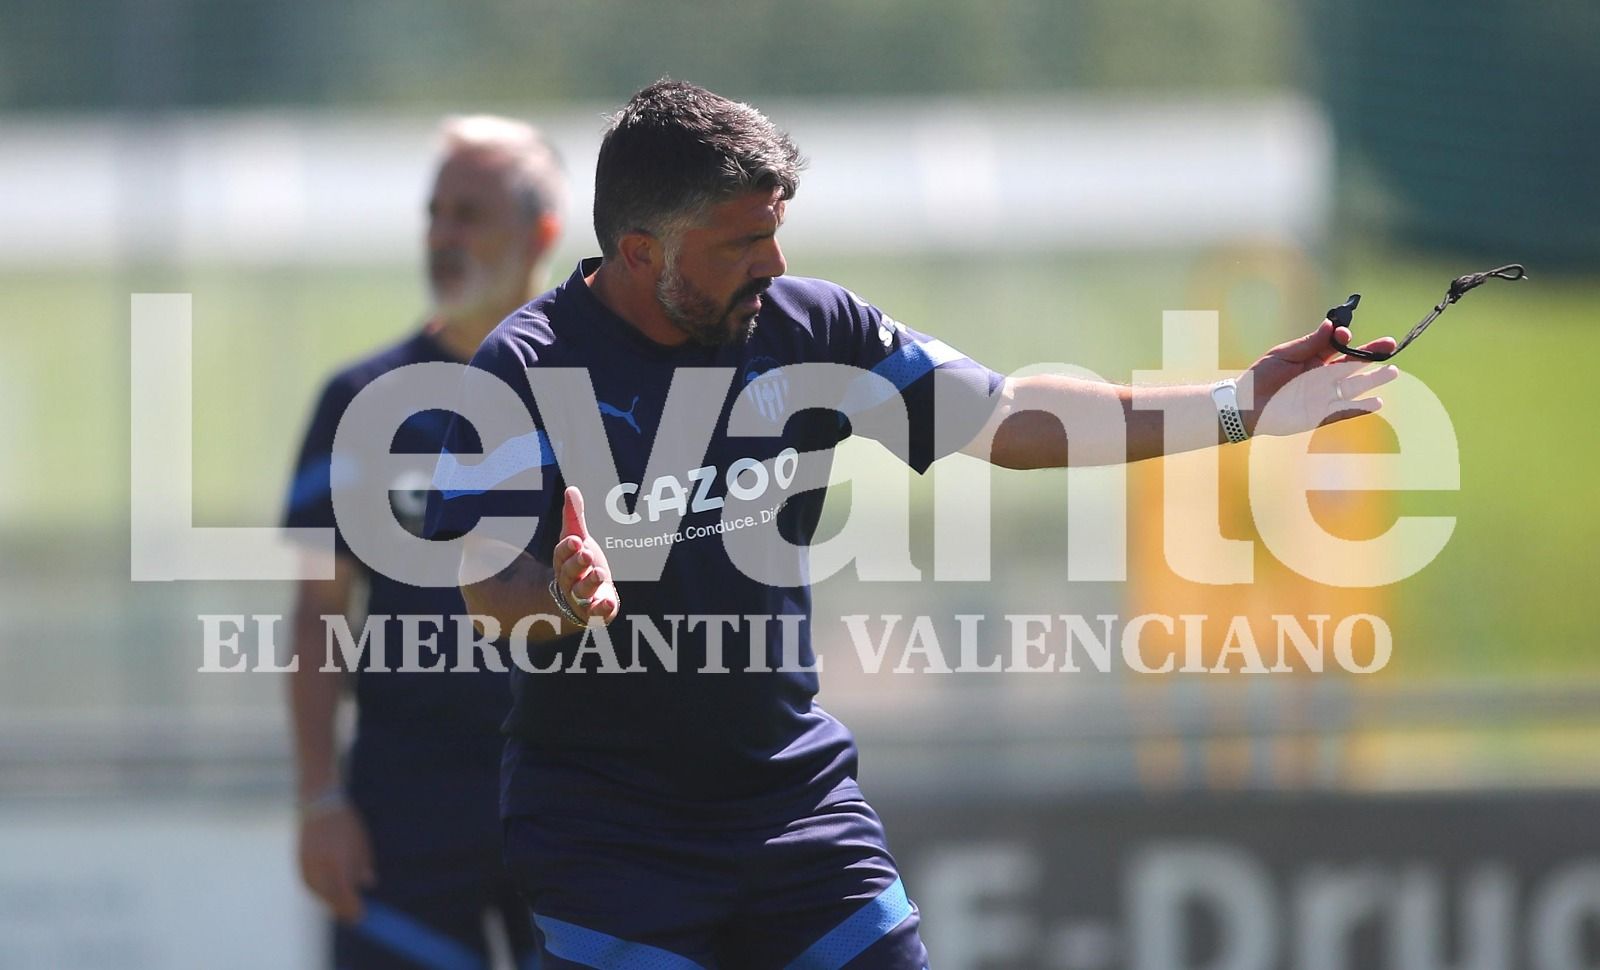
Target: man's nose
{"x": 771, "y": 263}
{"x": 444, "y": 233}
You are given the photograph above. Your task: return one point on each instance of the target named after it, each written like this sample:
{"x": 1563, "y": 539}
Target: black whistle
{"x": 1342, "y": 314}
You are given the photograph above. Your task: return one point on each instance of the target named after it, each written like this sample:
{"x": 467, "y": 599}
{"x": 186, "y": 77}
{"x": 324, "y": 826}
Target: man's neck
{"x": 638, "y": 310}
{"x": 460, "y": 337}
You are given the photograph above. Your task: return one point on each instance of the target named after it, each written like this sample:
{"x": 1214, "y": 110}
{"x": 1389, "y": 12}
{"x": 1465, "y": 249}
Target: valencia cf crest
{"x": 768, "y": 388}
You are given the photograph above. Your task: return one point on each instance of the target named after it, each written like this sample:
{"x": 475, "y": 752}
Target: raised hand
{"x": 1313, "y": 384}
{"x": 582, "y": 573}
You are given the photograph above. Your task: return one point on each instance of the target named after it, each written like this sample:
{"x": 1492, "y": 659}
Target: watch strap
{"x": 1225, "y": 394}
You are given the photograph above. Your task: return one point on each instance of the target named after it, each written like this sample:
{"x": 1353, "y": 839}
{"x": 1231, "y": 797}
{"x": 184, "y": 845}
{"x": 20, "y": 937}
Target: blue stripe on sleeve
{"x": 311, "y": 483}
{"x": 914, "y": 360}
{"x": 512, "y": 458}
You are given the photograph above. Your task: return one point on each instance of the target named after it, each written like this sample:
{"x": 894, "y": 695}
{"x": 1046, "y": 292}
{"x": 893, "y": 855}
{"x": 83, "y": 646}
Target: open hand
{"x": 1310, "y": 383}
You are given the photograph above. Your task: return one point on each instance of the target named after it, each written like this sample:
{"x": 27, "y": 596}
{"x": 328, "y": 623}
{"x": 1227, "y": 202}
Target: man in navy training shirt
{"x": 695, "y": 808}
{"x": 404, "y": 849}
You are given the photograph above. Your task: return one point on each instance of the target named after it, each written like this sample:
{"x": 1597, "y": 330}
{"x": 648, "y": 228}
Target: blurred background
{"x": 1031, "y": 181}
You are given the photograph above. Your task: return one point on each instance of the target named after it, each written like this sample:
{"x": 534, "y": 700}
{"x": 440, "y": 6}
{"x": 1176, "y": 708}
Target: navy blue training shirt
{"x": 688, "y": 746}
{"x": 412, "y": 709}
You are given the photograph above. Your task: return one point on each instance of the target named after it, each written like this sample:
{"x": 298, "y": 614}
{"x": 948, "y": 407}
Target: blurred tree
{"x": 1471, "y": 124}
{"x": 1476, "y": 128}
{"x": 424, "y": 53}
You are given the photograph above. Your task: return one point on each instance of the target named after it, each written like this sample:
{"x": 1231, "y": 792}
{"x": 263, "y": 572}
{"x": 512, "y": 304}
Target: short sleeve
{"x": 915, "y": 364}
{"x": 310, "y": 499}
{"x": 484, "y": 472}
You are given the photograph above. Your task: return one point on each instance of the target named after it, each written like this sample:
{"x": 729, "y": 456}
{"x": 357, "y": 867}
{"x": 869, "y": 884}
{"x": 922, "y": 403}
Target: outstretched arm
{"x": 1027, "y": 433}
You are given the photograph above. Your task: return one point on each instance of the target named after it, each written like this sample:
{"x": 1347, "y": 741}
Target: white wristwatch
{"x": 1225, "y": 394}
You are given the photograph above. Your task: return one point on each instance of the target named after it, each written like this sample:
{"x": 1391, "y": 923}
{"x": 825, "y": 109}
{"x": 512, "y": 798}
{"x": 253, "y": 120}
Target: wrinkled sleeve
{"x": 948, "y": 396}
{"x": 482, "y": 473}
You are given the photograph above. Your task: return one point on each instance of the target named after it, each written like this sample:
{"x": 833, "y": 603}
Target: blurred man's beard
{"x": 481, "y": 287}
{"x": 694, "y": 312}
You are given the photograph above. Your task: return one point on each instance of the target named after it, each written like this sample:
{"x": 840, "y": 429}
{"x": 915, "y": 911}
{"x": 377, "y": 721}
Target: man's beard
{"x": 479, "y": 287}
{"x": 693, "y": 311}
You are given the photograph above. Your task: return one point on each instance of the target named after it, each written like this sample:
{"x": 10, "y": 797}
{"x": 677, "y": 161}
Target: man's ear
{"x": 640, "y": 253}
{"x": 544, "y": 233}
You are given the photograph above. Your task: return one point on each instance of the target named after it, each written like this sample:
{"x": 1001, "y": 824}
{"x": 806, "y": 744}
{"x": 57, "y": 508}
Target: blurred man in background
{"x": 404, "y": 846}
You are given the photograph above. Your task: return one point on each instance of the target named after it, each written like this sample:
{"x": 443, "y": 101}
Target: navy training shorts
{"x": 819, "y": 893}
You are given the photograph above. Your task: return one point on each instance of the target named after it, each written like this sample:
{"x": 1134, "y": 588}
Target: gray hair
{"x": 539, "y": 179}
